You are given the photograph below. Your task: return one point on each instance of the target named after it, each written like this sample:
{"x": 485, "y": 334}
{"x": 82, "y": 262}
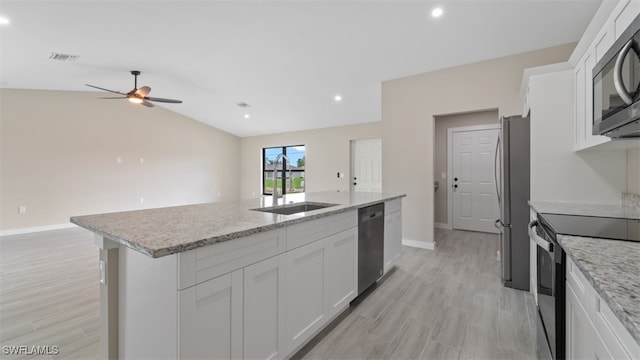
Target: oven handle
{"x": 617, "y": 73}
{"x": 547, "y": 246}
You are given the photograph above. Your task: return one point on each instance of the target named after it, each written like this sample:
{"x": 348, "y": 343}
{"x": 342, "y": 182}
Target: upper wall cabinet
{"x": 619, "y": 19}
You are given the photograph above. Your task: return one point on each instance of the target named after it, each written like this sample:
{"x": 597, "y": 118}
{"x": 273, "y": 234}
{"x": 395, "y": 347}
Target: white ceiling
{"x": 286, "y": 59}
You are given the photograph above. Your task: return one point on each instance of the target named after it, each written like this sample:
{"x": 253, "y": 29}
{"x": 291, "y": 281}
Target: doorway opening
{"x": 465, "y": 196}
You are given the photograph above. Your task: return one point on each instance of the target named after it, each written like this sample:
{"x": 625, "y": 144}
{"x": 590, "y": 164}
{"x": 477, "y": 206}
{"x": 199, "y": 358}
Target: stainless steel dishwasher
{"x": 370, "y": 245}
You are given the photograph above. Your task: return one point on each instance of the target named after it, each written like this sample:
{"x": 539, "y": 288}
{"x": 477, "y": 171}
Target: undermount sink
{"x": 290, "y": 209}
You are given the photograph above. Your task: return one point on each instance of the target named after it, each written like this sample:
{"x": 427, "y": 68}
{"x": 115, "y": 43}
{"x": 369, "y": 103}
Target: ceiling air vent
{"x": 243, "y": 105}
{"x": 63, "y": 57}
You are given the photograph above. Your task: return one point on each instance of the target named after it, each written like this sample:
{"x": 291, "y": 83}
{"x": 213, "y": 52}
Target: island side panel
{"x": 108, "y": 279}
{"x": 148, "y": 303}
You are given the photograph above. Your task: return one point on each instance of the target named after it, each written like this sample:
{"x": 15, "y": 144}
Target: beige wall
{"x": 408, "y": 109}
{"x": 442, "y": 123}
{"x": 327, "y": 153}
{"x": 59, "y": 151}
{"x": 633, "y": 171}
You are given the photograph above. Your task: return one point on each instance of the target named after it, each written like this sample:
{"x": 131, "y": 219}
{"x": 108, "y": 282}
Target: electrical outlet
{"x": 141, "y": 160}
{"x": 118, "y": 160}
{"x": 22, "y": 209}
{"x": 141, "y": 199}
{"x": 219, "y": 194}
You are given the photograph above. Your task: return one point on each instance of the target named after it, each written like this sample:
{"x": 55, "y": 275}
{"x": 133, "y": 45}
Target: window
{"x": 295, "y": 184}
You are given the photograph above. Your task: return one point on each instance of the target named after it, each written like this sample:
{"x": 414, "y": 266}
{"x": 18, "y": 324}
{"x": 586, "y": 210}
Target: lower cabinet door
{"x": 264, "y": 309}
{"x": 210, "y": 318}
{"x": 342, "y": 253}
{"x": 306, "y": 300}
{"x": 580, "y": 333}
{"x": 392, "y": 239}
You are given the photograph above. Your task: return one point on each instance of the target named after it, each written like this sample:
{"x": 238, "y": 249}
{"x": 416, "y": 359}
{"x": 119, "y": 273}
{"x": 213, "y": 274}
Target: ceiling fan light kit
{"x": 137, "y": 96}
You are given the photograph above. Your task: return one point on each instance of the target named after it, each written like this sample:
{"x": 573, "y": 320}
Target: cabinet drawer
{"x": 584, "y": 292}
{"x": 314, "y": 230}
{"x": 208, "y": 262}
{"x": 392, "y": 206}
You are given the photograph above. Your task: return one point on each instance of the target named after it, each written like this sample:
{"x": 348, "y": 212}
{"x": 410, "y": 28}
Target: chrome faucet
{"x": 275, "y": 177}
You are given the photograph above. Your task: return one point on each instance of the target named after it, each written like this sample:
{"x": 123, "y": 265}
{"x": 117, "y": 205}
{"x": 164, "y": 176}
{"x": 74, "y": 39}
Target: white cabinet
{"x": 264, "y": 308}
{"x": 580, "y": 332}
{"x": 322, "y": 279}
{"x": 342, "y": 253}
{"x": 306, "y": 295}
{"x": 392, "y": 233}
{"x": 619, "y": 19}
{"x": 210, "y": 319}
{"x": 583, "y": 102}
{"x": 592, "y": 330}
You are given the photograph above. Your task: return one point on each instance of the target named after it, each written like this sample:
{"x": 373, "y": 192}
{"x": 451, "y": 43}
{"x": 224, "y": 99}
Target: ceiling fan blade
{"x": 143, "y": 91}
{"x": 99, "y": 88}
{"x": 114, "y": 97}
{"x": 147, "y": 104}
{"x": 163, "y": 100}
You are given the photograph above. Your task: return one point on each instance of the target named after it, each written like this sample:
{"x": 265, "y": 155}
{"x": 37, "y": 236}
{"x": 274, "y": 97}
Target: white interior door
{"x": 366, "y": 165}
{"x": 475, "y": 202}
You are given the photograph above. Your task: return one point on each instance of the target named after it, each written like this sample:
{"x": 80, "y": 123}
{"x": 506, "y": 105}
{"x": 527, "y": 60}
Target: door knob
{"x": 355, "y": 178}
{"x": 455, "y": 186}
{"x": 355, "y": 183}
{"x": 455, "y": 179}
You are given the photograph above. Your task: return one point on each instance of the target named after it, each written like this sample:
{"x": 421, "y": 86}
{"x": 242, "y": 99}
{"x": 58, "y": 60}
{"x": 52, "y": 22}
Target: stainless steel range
{"x": 551, "y": 268}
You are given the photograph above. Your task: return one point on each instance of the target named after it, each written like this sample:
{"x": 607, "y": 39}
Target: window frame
{"x": 283, "y": 171}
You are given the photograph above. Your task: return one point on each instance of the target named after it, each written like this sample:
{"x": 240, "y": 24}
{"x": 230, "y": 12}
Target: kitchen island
{"x": 230, "y": 280}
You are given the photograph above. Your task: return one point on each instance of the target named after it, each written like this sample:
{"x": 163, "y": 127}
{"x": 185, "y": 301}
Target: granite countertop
{"x": 170, "y": 230}
{"x": 613, "y": 269}
{"x": 615, "y": 211}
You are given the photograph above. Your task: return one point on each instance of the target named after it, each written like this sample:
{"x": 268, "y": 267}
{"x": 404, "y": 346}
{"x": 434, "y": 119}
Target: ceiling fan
{"x": 137, "y": 96}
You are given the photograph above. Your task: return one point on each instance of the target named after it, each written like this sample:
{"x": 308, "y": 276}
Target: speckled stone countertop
{"x": 613, "y": 269}
{"x": 616, "y": 211}
{"x": 170, "y": 230}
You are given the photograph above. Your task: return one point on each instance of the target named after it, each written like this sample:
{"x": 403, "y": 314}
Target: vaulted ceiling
{"x": 286, "y": 59}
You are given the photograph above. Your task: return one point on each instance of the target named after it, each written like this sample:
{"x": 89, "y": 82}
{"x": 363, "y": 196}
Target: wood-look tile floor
{"x": 442, "y": 304}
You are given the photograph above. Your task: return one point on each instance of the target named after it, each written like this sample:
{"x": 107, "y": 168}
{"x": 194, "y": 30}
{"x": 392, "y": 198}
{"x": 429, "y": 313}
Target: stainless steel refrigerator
{"x": 512, "y": 185}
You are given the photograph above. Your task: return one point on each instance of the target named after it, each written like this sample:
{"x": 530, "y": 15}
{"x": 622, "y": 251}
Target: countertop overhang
{"x": 170, "y": 230}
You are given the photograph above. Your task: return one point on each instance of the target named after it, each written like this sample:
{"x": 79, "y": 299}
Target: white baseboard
{"x": 442, "y": 226}
{"x": 419, "y": 244}
{"x": 36, "y": 229}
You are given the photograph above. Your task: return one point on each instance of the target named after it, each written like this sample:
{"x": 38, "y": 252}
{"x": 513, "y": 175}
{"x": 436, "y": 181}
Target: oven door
{"x": 546, "y": 289}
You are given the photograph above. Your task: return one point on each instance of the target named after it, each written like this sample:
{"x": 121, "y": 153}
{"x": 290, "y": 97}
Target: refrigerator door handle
{"x": 495, "y": 169}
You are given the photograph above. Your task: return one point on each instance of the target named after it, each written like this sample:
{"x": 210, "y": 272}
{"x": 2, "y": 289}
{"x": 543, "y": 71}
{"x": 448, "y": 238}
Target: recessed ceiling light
{"x": 246, "y": 116}
{"x": 436, "y": 12}
{"x": 4, "y": 20}
{"x": 337, "y": 98}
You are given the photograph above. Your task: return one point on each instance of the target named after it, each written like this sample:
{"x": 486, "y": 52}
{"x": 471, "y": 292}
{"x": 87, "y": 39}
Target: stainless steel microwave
{"x": 616, "y": 87}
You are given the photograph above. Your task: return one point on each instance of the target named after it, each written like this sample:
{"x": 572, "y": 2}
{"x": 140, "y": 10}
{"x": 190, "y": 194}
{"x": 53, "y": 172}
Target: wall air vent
{"x": 63, "y": 57}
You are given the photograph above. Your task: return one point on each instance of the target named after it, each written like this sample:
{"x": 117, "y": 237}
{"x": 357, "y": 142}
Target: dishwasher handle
{"x": 370, "y": 216}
